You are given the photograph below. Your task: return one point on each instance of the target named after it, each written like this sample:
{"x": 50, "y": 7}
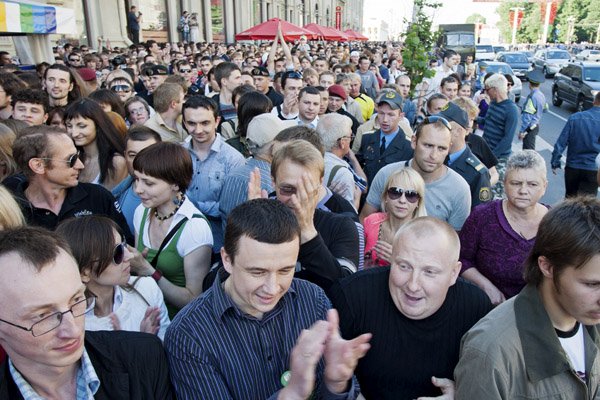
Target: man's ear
{"x": 37, "y": 165}
{"x": 545, "y": 267}
{"x": 227, "y": 261}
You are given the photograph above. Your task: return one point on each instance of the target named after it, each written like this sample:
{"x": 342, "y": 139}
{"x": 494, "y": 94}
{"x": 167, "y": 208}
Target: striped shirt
{"x": 87, "y": 381}
{"x": 216, "y": 351}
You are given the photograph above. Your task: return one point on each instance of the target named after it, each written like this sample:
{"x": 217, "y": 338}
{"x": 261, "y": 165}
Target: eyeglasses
{"x": 432, "y": 119}
{"x": 140, "y": 110}
{"x": 412, "y": 196}
{"x": 119, "y": 253}
{"x": 260, "y": 72}
{"x": 53, "y": 321}
{"x": 70, "y": 162}
{"x": 351, "y": 137}
{"x": 121, "y": 88}
{"x": 185, "y": 71}
{"x": 75, "y": 59}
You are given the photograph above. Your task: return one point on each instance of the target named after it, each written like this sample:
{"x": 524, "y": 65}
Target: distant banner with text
{"x": 36, "y": 18}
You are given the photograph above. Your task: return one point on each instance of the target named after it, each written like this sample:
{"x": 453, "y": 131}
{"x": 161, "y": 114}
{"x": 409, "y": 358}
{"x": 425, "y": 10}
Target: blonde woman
{"x": 8, "y": 166}
{"x": 10, "y": 213}
{"x": 402, "y": 200}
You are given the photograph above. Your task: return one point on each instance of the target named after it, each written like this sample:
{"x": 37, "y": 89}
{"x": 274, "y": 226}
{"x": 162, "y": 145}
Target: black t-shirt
{"x": 480, "y": 148}
{"x": 275, "y": 97}
{"x": 404, "y": 353}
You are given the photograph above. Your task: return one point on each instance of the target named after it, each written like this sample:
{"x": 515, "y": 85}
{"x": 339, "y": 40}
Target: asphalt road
{"x": 552, "y": 123}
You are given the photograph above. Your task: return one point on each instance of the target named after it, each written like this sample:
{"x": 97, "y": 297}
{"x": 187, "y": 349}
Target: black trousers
{"x": 529, "y": 139}
{"x": 580, "y": 181}
{"x": 134, "y": 35}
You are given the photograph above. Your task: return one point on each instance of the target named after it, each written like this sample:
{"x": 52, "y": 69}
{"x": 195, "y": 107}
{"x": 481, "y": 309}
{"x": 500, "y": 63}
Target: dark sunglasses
{"x": 412, "y": 196}
{"x": 121, "y": 88}
{"x": 119, "y": 253}
{"x": 260, "y": 72}
{"x": 70, "y": 162}
{"x": 185, "y": 71}
{"x": 74, "y": 59}
{"x": 432, "y": 119}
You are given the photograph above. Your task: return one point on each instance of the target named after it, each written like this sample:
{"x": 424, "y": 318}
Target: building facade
{"x": 219, "y": 20}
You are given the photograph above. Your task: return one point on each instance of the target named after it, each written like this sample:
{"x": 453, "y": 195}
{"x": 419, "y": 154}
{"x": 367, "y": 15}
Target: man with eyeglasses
{"x": 74, "y": 60}
{"x": 50, "y": 191}
{"x": 448, "y": 195}
{"x": 42, "y": 330}
{"x": 417, "y": 311}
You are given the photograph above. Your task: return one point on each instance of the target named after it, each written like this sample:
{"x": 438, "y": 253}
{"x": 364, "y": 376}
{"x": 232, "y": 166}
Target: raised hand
{"x": 151, "y": 321}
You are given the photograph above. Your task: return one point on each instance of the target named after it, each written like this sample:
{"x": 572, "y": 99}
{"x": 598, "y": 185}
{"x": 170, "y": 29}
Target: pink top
{"x": 372, "y": 225}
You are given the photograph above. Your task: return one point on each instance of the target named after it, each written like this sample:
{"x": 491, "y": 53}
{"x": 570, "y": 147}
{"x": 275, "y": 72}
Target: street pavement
{"x": 552, "y": 123}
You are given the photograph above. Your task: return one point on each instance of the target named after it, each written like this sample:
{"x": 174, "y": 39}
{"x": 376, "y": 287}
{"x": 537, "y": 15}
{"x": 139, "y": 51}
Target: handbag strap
{"x": 166, "y": 240}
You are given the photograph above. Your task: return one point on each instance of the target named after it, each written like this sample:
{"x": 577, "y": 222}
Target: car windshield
{"x": 594, "y": 51}
{"x": 528, "y": 53}
{"x": 461, "y": 39}
{"x": 500, "y": 68}
{"x": 485, "y": 49}
{"x": 592, "y": 74}
{"x": 558, "y": 55}
{"x": 515, "y": 58}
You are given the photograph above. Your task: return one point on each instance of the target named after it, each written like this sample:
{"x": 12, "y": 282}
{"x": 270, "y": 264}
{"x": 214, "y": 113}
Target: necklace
{"x": 170, "y": 215}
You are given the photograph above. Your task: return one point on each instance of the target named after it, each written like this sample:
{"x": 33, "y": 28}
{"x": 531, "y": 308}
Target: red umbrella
{"x": 268, "y": 31}
{"x": 325, "y": 32}
{"x": 353, "y": 35}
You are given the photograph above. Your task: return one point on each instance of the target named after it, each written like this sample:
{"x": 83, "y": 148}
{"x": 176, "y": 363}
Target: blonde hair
{"x": 407, "y": 177}
{"x": 468, "y": 106}
{"x": 298, "y": 152}
{"x": 10, "y": 212}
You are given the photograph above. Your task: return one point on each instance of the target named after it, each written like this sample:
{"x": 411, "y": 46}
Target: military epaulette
{"x": 475, "y": 163}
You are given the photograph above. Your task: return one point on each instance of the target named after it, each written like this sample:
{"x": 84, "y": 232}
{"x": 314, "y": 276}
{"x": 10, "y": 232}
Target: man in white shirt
{"x": 431, "y": 85}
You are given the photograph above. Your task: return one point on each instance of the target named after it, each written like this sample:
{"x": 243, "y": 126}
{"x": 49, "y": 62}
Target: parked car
{"x": 504, "y": 68}
{"x": 499, "y": 49}
{"x": 484, "y": 52}
{"x": 588, "y": 55}
{"x": 529, "y": 54}
{"x": 517, "y": 61}
{"x": 550, "y": 61}
{"x": 577, "y": 83}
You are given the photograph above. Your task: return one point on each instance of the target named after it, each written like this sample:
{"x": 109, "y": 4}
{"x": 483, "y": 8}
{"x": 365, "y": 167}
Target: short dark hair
{"x": 308, "y": 90}
{"x": 75, "y": 93}
{"x": 141, "y": 133}
{"x": 33, "y": 142}
{"x": 241, "y": 90}
{"x": 263, "y": 220}
{"x": 31, "y": 96}
{"x": 224, "y": 70}
{"x": 107, "y": 96}
{"x": 568, "y": 236}
{"x": 175, "y": 166}
{"x": 449, "y": 53}
{"x": 36, "y": 246}
{"x": 200, "y": 101}
{"x": 301, "y": 132}
{"x": 449, "y": 79}
{"x": 91, "y": 241}
{"x": 11, "y": 83}
{"x": 289, "y": 75}
{"x": 250, "y": 105}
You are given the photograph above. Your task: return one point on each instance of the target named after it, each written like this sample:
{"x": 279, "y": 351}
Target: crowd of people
{"x": 290, "y": 221}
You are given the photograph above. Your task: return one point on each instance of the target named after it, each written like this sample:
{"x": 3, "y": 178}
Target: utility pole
{"x": 598, "y": 35}
{"x": 515, "y": 10}
{"x": 546, "y": 21}
{"x": 570, "y": 29}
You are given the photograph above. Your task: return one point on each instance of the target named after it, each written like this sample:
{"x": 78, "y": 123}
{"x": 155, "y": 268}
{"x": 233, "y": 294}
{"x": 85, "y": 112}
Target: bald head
{"x": 424, "y": 230}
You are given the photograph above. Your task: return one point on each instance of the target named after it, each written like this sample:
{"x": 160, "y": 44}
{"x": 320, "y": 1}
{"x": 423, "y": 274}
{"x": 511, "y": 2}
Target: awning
{"x": 326, "y": 33}
{"x": 268, "y": 30}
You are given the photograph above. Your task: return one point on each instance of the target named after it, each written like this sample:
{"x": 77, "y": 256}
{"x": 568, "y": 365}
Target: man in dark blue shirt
{"x": 133, "y": 24}
{"x": 258, "y": 333}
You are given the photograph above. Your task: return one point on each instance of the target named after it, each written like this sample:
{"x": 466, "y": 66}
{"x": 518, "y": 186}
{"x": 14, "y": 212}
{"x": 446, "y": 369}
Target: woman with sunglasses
{"x": 123, "y": 302}
{"x": 173, "y": 239}
{"x": 403, "y": 199}
{"x": 100, "y": 144}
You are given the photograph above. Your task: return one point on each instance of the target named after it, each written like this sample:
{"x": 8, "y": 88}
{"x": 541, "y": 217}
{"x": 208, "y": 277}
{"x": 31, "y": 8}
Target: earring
{"x": 177, "y": 200}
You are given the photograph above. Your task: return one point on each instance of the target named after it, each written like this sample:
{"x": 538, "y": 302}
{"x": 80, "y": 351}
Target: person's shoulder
{"x": 230, "y": 152}
{"x": 121, "y": 345}
{"x": 497, "y": 331}
{"x": 367, "y": 278}
{"x": 472, "y": 295}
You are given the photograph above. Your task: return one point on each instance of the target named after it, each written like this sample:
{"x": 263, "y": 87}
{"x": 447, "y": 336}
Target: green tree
{"x": 580, "y": 10}
{"x": 419, "y": 41}
{"x": 531, "y": 25}
{"x": 473, "y": 18}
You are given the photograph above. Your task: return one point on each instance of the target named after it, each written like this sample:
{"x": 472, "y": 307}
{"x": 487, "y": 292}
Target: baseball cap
{"x": 263, "y": 128}
{"x": 156, "y": 69}
{"x": 452, "y": 112}
{"x": 393, "y": 99}
{"x": 338, "y": 91}
{"x": 483, "y": 64}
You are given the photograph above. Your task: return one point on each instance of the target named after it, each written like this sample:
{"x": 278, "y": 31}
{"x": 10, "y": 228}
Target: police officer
{"x": 532, "y": 110}
{"x": 388, "y": 144}
{"x": 462, "y": 160}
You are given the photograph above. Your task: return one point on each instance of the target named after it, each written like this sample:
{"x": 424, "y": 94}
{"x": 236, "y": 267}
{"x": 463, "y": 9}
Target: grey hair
{"x": 333, "y": 126}
{"x": 497, "y": 81}
{"x": 354, "y": 77}
{"x": 526, "y": 159}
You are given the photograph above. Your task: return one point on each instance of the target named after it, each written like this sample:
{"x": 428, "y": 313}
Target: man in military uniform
{"x": 462, "y": 160}
{"x": 533, "y": 108}
{"x": 388, "y": 144}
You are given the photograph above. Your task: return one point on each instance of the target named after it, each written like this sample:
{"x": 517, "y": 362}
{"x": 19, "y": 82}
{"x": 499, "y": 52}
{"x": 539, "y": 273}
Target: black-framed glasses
{"x": 260, "y": 72}
{"x": 432, "y": 119}
{"x": 412, "y": 196}
{"x": 119, "y": 253}
{"x": 75, "y": 59}
{"x": 71, "y": 161}
{"x": 54, "y": 320}
{"x": 121, "y": 88}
